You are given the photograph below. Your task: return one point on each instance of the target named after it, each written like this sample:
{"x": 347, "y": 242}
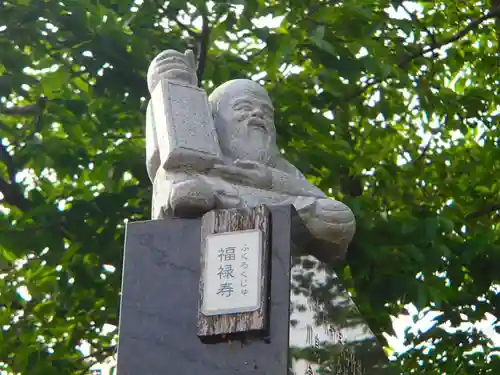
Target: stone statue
{"x": 222, "y": 153}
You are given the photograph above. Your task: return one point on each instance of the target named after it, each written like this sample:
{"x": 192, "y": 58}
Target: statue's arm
{"x": 288, "y": 179}
{"x": 282, "y": 178}
{"x": 152, "y": 148}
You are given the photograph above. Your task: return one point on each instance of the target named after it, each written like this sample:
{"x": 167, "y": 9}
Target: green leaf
{"x": 53, "y": 83}
{"x": 446, "y": 225}
{"x": 7, "y": 255}
{"x": 430, "y": 229}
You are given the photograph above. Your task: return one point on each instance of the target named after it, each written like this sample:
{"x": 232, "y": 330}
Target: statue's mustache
{"x": 257, "y": 123}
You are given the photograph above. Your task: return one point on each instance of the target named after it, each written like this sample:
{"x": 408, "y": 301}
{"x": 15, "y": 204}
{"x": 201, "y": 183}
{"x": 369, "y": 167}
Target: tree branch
{"x": 424, "y": 151}
{"x": 202, "y": 40}
{"x": 459, "y": 35}
{"x": 13, "y": 196}
{"x": 426, "y": 49}
{"x": 484, "y": 211}
{"x": 6, "y": 157}
{"x": 186, "y": 28}
{"x": 101, "y": 354}
{"x": 28, "y": 110}
{"x": 415, "y": 19}
{"x": 203, "y": 50}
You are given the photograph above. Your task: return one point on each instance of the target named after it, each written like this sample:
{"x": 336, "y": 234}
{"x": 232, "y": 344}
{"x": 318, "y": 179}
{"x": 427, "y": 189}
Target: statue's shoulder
{"x": 284, "y": 165}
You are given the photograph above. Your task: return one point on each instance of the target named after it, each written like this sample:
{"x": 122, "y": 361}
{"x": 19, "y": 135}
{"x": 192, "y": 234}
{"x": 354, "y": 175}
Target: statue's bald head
{"x": 228, "y": 91}
{"x": 244, "y": 119}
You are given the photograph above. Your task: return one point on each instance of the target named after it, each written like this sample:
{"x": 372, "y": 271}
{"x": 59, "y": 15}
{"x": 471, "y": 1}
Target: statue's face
{"x": 252, "y": 116}
{"x": 248, "y": 114}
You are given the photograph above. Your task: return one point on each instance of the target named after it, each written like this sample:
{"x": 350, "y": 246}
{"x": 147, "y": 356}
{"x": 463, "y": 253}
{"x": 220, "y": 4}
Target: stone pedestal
{"x": 315, "y": 328}
{"x": 158, "y": 317}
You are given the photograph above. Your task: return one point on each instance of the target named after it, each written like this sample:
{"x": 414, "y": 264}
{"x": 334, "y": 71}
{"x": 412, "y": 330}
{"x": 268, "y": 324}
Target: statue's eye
{"x": 243, "y": 107}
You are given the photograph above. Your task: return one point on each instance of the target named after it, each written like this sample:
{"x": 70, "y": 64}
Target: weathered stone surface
{"x": 190, "y": 179}
{"x": 180, "y": 133}
{"x": 184, "y": 127}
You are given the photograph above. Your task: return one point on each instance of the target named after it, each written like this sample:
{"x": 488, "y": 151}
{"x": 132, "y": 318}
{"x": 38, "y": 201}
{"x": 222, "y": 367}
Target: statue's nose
{"x": 256, "y": 112}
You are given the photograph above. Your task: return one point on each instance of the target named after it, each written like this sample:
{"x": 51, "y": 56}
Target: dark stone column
{"x": 157, "y": 333}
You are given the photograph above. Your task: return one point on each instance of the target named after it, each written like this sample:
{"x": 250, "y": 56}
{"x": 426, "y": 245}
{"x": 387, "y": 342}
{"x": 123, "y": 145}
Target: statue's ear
{"x": 217, "y": 123}
{"x": 214, "y": 107}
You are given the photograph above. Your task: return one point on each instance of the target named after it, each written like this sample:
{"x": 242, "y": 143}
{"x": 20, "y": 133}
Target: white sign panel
{"x": 232, "y": 272}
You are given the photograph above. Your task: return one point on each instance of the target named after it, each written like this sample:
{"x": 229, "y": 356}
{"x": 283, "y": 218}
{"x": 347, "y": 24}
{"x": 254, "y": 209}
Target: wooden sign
{"x": 234, "y": 283}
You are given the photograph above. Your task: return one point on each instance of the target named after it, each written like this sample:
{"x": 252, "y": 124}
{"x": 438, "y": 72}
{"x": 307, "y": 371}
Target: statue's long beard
{"x": 261, "y": 141}
{"x": 257, "y": 146}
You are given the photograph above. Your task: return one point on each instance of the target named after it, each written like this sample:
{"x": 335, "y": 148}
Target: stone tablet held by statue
{"x": 180, "y": 130}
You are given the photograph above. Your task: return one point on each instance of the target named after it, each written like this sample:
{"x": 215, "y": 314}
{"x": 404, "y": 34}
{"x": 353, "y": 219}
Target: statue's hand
{"x": 245, "y": 172}
{"x": 327, "y": 219}
{"x": 174, "y": 65}
{"x": 259, "y": 173}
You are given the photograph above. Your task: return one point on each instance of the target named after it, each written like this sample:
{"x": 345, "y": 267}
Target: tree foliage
{"x": 389, "y": 106}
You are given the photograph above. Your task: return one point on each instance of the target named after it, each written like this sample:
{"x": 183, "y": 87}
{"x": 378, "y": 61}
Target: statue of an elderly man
{"x": 248, "y": 169}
